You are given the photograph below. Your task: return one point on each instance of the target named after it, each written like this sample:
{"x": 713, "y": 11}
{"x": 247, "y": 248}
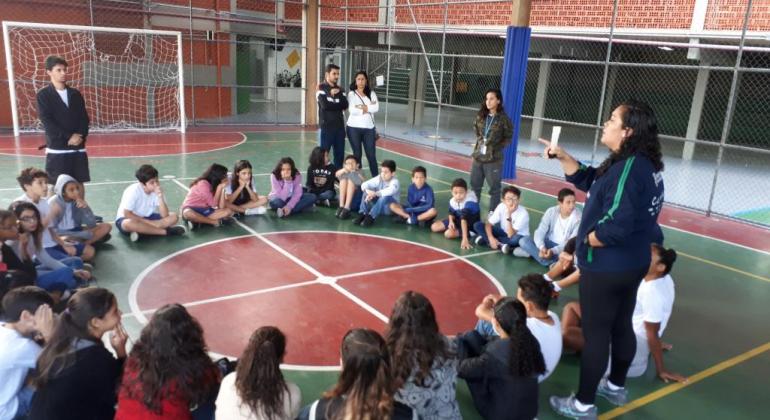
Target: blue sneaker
{"x": 566, "y": 407}
{"x": 616, "y": 397}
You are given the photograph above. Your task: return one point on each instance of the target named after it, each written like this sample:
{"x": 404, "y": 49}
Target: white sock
{"x": 612, "y": 386}
{"x": 547, "y": 277}
{"x": 582, "y": 407}
{"x": 556, "y": 287}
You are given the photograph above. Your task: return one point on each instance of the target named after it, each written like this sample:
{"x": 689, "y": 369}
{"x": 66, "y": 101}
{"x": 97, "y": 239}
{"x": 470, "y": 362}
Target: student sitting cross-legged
{"x": 420, "y": 202}
{"x": 69, "y": 213}
{"x": 143, "y": 209}
{"x": 240, "y": 194}
{"x": 507, "y": 225}
{"x": 380, "y": 194}
{"x": 558, "y": 225}
{"x": 205, "y": 202}
{"x": 463, "y": 214}
{"x": 286, "y": 196}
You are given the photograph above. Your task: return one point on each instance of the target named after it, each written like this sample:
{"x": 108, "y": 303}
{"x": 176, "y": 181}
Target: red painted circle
{"x": 223, "y": 284}
{"x": 131, "y": 144}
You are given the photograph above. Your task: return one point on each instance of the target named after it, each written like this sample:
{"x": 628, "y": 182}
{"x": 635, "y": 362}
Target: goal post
{"x": 131, "y": 79}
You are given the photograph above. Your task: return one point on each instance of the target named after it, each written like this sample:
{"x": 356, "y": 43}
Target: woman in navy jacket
{"x": 625, "y": 195}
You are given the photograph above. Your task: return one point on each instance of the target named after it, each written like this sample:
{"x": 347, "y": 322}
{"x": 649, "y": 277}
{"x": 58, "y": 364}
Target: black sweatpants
{"x": 607, "y": 301}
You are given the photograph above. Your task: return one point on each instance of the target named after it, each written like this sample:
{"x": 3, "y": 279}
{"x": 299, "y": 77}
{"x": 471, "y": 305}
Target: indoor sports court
{"x": 315, "y": 276}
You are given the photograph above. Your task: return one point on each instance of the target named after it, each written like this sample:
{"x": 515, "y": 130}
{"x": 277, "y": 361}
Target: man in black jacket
{"x": 63, "y": 113}
{"x": 331, "y": 102}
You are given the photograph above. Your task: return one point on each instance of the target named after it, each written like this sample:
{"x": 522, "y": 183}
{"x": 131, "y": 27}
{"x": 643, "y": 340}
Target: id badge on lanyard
{"x": 487, "y": 126}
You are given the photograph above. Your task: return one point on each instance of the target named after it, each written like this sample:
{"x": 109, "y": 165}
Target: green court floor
{"x": 721, "y": 310}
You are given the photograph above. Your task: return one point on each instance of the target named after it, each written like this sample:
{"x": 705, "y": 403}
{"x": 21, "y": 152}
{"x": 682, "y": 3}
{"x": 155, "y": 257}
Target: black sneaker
{"x": 359, "y": 219}
{"x": 400, "y": 220}
{"x": 344, "y": 214}
{"x": 227, "y": 221}
{"x": 98, "y": 219}
{"x": 368, "y": 221}
{"x": 338, "y": 212}
{"x": 176, "y": 230}
{"x": 104, "y": 239}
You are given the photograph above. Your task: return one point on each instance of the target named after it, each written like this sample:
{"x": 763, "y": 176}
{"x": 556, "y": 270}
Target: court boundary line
{"x": 691, "y": 380}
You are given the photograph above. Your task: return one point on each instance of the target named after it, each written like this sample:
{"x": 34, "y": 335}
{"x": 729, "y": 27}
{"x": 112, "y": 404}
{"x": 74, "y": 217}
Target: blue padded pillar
{"x": 512, "y": 86}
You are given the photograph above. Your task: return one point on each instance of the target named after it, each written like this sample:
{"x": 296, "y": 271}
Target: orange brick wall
{"x": 724, "y": 15}
{"x": 498, "y": 13}
{"x": 670, "y": 14}
{"x": 264, "y": 6}
{"x": 332, "y": 11}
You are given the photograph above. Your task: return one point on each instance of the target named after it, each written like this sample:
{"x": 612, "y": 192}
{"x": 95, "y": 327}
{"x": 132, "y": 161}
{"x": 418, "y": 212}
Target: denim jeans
{"x": 60, "y": 279}
{"x": 376, "y": 207}
{"x": 334, "y": 139}
{"x": 528, "y": 244}
{"x": 326, "y": 195}
{"x": 306, "y": 201}
{"x": 499, "y": 234}
{"x": 364, "y": 136}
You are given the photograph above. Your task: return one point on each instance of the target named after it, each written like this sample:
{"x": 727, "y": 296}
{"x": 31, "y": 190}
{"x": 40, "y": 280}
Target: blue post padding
{"x": 512, "y": 86}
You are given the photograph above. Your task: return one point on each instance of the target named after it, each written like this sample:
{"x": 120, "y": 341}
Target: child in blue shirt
{"x": 419, "y": 207}
{"x": 464, "y": 211}
{"x": 379, "y": 194}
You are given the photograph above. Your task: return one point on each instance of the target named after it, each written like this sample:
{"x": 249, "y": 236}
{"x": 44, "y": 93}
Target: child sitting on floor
{"x": 205, "y": 202}
{"x": 321, "y": 176}
{"x": 419, "y": 208}
{"x": 69, "y": 212}
{"x": 507, "y": 225}
{"x": 350, "y": 178}
{"x": 464, "y": 210}
{"x": 380, "y": 194}
{"x": 240, "y": 194}
{"x": 286, "y": 196}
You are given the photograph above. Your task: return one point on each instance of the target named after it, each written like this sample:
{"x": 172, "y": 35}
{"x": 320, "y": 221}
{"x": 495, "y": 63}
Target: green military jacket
{"x": 499, "y": 135}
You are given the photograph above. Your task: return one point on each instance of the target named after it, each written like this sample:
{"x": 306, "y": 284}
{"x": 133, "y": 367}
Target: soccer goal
{"x": 131, "y": 79}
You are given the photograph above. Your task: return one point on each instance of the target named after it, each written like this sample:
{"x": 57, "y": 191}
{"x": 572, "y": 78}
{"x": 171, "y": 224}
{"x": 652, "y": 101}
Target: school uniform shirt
{"x": 200, "y": 196}
{"x": 230, "y": 406}
{"x": 44, "y": 209}
{"x": 85, "y": 390}
{"x": 18, "y": 355}
{"x": 287, "y": 191}
{"x": 137, "y": 201}
{"x": 654, "y": 304}
{"x": 622, "y": 207}
{"x": 330, "y": 107}
{"x": 356, "y": 116}
{"x": 419, "y": 200}
{"x": 382, "y": 188}
{"x": 320, "y": 180}
{"x": 556, "y": 228}
{"x": 519, "y": 219}
{"x": 467, "y": 209}
{"x": 550, "y": 339}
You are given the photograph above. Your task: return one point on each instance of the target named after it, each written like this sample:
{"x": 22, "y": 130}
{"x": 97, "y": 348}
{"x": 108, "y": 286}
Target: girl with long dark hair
{"x": 257, "y": 389}
{"x": 424, "y": 367}
{"x": 168, "y": 370}
{"x": 364, "y": 390}
{"x": 286, "y": 196}
{"x": 205, "y": 202}
{"x": 494, "y": 131}
{"x": 240, "y": 194}
{"x": 362, "y": 105}
{"x": 77, "y": 377}
{"x": 502, "y": 374}
{"x": 625, "y": 196}
{"x": 321, "y": 176}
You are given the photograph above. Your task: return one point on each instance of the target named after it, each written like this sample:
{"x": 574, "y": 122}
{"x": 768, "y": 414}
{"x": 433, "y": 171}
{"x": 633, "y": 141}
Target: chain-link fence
{"x": 705, "y": 71}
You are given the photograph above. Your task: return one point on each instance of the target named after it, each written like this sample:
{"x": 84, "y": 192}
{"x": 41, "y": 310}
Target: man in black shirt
{"x": 331, "y": 102}
{"x": 63, "y": 112}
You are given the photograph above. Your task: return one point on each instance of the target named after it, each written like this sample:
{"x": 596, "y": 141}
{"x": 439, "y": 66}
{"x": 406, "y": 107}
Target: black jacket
{"x": 497, "y": 394}
{"x": 61, "y": 121}
{"x": 330, "y": 107}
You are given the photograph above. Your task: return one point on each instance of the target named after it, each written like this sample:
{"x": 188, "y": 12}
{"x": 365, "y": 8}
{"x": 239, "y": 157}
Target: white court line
{"x": 269, "y": 243}
{"x": 551, "y": 195}
{"x": 359, "y": 302}
{"x": 88, "y": 184}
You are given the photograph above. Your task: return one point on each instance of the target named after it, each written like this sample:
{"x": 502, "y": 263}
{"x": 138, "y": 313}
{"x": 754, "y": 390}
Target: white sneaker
{"x": 134, "y": 236}
{"x": 256, "y": 211}
{"x": 491, "y": 212}
{"x": 518, "y": 252}
{"x": 279, "y": 212}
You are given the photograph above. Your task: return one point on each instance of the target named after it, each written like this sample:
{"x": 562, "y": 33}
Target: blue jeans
{"x": 58, "y": 252}
{"x": 497, "y": 232}
{"x": 304, "y": 202}
{"x": 60, "y": 279}
{"x": 364, "y": 136}
{"x": 376, "y": 207}
{"x": 334, "y": 139}
{"x": 528, "y": 244}
{"x": 485, "y": 328}
{"x": 326, "y": 195}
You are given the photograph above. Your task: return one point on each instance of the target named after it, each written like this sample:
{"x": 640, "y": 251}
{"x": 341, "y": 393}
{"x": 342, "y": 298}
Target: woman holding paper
{"x": 494, "y": 131}
{"x": 625, "y": 195}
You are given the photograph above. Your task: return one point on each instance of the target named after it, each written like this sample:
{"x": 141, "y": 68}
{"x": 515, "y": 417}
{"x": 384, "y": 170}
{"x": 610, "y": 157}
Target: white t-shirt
{"x": 654, "y": 303}
{"x": 519, "y": 219}
{"x": 229, "y": 404}
{"x": 550, "y": 339}
{"x": 64, "y": 98}
{"x": 356, "y": 116}
{"x": 558, "y": 234}
{"x": 44, "y": 209}
{"x": 137, "y": 201}
{"x": 17, "y": 356}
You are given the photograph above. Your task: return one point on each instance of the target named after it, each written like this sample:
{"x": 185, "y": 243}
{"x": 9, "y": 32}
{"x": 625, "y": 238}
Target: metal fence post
{"x": 600, "y": 113}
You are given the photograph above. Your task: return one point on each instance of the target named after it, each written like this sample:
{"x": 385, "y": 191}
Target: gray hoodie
{"x": 71, "y": 217}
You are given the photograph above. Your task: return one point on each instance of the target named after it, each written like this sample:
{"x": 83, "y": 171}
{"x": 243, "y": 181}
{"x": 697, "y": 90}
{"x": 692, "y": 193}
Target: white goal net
{"x": 131, "y": 79}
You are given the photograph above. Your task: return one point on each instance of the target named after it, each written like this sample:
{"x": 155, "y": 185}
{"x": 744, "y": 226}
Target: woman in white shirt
{"x": 362, "y": 104}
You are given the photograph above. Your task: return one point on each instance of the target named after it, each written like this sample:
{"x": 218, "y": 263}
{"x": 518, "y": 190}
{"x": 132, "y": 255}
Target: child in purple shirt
{"x": 286, "y": 196}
